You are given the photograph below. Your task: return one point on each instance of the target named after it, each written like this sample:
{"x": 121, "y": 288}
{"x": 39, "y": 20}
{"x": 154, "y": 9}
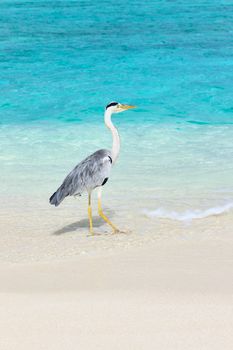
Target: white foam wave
{"x": 188, "y": 215}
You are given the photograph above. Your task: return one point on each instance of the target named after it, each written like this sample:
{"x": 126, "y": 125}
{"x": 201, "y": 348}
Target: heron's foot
{"x": 117, "y": 231}
{"x": 92, "y": 234}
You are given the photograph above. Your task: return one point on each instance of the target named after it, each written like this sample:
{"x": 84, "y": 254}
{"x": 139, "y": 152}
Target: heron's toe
{"x": 92, "y": 234}
{"x": 117, "y": 231}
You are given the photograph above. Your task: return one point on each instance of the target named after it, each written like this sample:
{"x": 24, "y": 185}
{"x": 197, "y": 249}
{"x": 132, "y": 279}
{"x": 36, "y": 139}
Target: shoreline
{"x": 64, "y": 236}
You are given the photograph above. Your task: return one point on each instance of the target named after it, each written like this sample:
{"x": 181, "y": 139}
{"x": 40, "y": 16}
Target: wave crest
{"x": 188, "y": 215}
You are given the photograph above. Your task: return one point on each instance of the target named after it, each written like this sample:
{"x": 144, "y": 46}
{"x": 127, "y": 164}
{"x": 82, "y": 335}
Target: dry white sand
{"x": 167, "y": 295}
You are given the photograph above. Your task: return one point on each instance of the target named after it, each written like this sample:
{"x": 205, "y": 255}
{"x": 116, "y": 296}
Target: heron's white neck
{"x": 115, "y": 135}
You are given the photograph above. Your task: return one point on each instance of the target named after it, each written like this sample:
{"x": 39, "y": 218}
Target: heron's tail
{"x": 57, "y": 197}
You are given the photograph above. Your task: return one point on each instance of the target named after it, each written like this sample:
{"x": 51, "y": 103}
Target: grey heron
{"x": 93, "y": 172}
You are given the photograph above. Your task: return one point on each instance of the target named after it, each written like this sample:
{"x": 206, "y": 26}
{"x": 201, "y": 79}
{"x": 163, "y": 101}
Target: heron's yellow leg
{"x": 90, "y": 214}
{"x": 103, "y": 216}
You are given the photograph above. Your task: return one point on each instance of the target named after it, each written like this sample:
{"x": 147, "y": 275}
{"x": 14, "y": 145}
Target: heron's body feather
{"x": 87, "y": 175}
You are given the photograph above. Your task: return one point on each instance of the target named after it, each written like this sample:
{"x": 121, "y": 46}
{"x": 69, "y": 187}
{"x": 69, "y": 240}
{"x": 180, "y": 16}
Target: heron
{"x": 94, "y": 171}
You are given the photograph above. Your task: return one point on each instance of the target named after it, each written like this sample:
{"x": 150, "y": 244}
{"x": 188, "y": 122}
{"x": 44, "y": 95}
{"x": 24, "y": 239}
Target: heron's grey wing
{"x": 87, "y": 175}
{"x": 91, "y": 172}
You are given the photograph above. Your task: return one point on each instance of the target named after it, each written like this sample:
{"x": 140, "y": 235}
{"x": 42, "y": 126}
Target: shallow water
{"x": 62, "y": 62}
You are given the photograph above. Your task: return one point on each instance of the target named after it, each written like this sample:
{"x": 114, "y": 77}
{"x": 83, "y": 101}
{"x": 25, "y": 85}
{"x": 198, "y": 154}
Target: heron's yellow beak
{"x": 125, "y": 107}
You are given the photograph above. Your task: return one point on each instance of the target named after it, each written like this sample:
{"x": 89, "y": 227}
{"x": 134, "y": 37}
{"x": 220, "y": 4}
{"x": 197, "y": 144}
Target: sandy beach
{"x": 175, "y": 294}
{"x": 67, "y": 68}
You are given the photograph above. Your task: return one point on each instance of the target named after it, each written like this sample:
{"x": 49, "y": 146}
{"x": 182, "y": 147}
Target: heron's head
{"x": 116, "y": 107}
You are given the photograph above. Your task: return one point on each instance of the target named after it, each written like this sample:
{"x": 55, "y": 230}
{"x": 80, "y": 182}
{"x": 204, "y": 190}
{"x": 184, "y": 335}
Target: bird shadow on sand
{"x": 84, "y": 223}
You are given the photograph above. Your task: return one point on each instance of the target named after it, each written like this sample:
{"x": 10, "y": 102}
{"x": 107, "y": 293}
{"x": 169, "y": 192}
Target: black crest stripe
{"x": 112, "y": 104}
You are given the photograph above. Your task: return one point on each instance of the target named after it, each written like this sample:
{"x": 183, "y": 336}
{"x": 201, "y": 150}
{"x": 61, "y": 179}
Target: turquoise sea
{"x": 61, "y": 62}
